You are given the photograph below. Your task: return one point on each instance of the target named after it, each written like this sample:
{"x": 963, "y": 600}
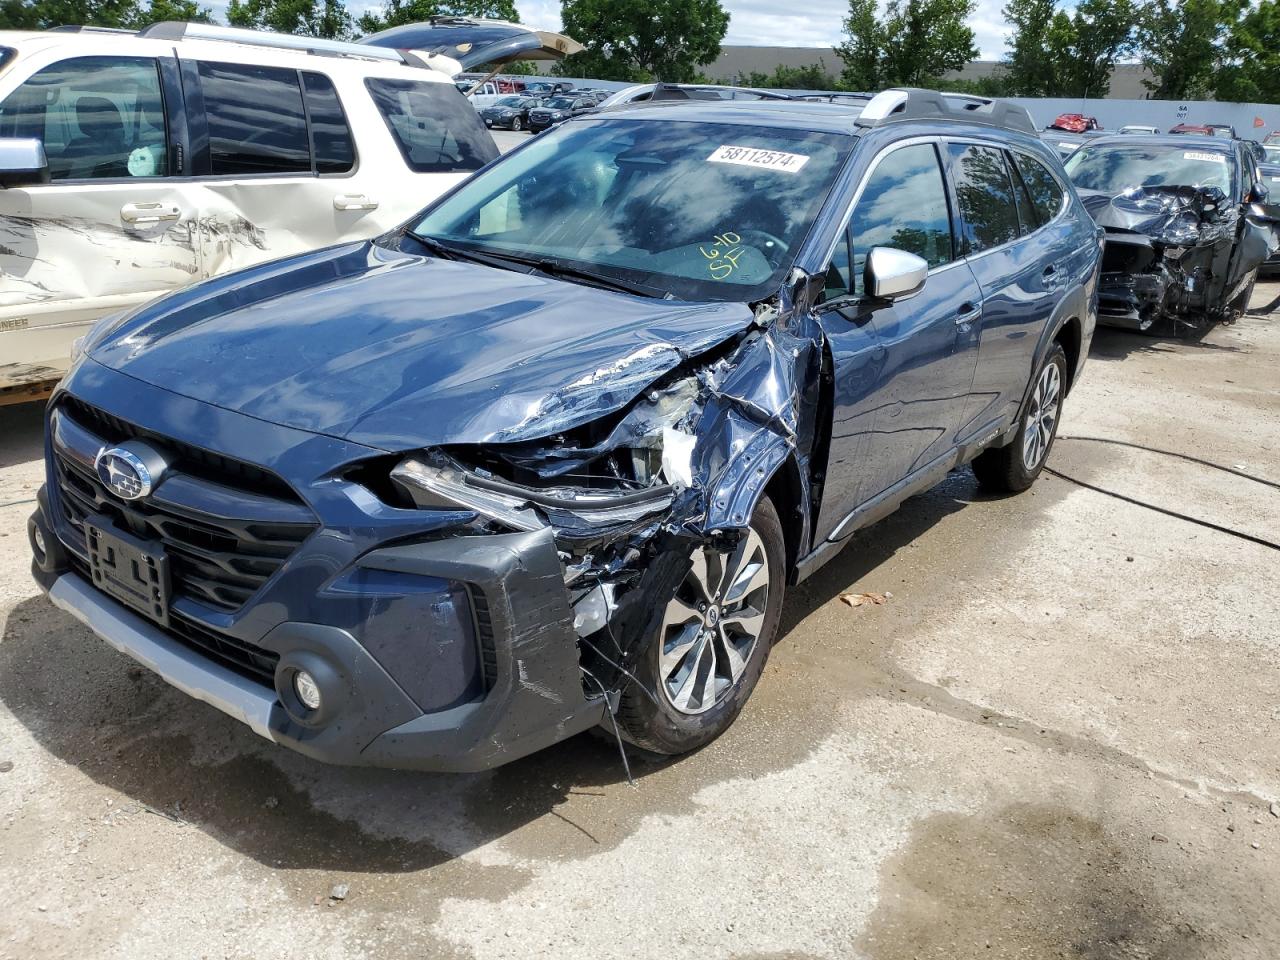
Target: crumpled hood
{"x": 1153, "y": 211}
{"x": 400, "y": 351}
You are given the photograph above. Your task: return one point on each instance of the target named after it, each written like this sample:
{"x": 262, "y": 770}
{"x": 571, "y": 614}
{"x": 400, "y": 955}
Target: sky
{"x": 760, "y": 23}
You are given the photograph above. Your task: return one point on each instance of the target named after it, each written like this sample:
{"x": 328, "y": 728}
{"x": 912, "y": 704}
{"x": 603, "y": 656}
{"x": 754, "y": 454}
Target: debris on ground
{"x": 339, "y": 891}
{"x": 864, "y": 599}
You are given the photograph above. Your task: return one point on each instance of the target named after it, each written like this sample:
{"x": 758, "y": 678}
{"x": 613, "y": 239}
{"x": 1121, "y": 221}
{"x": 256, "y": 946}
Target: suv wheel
{"x": 714, "y": 640}
{"x": 516, "y": 125}
{"x": 1014, "y": 467}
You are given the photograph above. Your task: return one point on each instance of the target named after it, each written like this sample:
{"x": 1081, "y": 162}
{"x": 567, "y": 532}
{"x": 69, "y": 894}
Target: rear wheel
{"x": 705, "y": 659}
{"x": 1014, "y": 467}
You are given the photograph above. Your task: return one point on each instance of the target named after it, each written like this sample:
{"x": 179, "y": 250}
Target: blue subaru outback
{"x": 548, "y": 457}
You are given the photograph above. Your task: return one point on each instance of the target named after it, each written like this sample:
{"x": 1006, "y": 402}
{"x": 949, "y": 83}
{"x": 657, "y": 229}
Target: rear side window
{"x": 331, "y": 142}
{"x": 435, "y": 127}
{"x": 1046, "y": 192}
{"x": 256, "y": 119}
{"x": 903, "y": 205}
{"x": 99, "y": 118}
{"x": 984, "y": 194}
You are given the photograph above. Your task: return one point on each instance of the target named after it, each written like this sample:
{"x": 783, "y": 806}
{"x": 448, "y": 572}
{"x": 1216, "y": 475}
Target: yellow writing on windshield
{"x": 722, "y": 257}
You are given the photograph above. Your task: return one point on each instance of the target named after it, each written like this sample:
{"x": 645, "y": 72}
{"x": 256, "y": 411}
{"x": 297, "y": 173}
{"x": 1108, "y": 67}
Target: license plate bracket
{"x": 129, "y": 569}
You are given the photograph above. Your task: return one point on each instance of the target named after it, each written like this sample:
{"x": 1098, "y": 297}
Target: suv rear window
{"x": 1046, "y": 192}
{"x": 256, "y": 120}
{"x": 435, "y": 127}
{"x": 331, "y": 141}
{"x": 984, "y": 194}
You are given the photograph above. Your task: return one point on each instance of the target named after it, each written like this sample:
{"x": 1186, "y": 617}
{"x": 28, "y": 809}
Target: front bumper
{"x": 376, "y": 614}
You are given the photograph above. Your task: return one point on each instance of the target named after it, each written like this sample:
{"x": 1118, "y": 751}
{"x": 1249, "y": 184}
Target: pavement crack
{"x": 940, "y": 700}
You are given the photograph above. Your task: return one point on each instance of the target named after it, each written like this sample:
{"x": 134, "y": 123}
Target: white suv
{"x": 132, "y": 164}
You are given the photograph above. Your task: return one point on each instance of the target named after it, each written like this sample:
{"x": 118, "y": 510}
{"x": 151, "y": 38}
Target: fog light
{"x": 304, "y": 685}
{"x": 38, "y": 538}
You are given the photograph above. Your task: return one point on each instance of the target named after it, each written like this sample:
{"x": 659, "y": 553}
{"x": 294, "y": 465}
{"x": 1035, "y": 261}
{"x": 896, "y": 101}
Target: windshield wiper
{"x": 547, "y": 265}
{"x": 558, "y": 268}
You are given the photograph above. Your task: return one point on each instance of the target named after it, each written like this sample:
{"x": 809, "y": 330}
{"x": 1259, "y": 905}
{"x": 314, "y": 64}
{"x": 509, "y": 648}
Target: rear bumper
{"x": 533, "y": 699}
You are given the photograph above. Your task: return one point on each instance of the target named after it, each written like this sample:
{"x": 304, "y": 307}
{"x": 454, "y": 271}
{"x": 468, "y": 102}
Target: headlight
{"x": 436, "y": 481}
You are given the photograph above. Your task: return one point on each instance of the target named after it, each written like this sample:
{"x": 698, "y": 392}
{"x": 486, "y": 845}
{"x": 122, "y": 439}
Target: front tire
{"x": 516, "y": 125}
{"x": 1014, "y": 467}
{"x": 707, "y": 656}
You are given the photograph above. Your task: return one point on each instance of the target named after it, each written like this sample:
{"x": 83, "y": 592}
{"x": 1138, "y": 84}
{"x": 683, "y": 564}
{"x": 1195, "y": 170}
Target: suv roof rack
{"x": 674, "y": 91}
{"x": 87, "y": 28}
{"x": 904, "y": 103}
{"x": 181, "y": 30}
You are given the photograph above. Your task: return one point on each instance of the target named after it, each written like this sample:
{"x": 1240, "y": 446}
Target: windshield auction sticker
{"x": 1207, "y": 157}
{"x": 764, "y": 159}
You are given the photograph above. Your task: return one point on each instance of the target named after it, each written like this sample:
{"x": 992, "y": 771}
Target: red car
{"x": 1075, "y": 123}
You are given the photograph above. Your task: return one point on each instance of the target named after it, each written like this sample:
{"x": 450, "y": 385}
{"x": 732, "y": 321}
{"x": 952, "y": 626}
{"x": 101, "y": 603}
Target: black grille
{"x": 245, "y": 659}
{"x": 214, "y": 560}
{"x": 484, "y": 636}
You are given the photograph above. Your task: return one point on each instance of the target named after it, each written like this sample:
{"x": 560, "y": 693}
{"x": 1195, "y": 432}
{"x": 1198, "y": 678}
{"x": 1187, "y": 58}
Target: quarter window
{"x": 436, "y": 128}
{"x": 331, "y": 142}
{"x": 984, "y": 195}
{"x": 1046, "y": 192}
{"x": 256, "y": 120}
{"x": 903, "y": 205}
{"x": 99, "y": 118}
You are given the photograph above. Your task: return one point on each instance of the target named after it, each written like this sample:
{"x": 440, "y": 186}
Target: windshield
{"x": 1114, "y": 168}
{"x": 559, "y": 103}
{"x": 510, "y": 102}
{"x": 1273, "y": 153}
{"x": 699, "y": 210}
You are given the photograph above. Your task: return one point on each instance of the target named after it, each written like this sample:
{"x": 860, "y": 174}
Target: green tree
{"x": 640, "y": 40}
{"x": 42, "y": 14}
{"x": 1068, "y": 54}
{"x": 160, "y": 10}
{"x": 1182, "y": 44}
{"x": 811, "y": 77}
{"x": 1252, "y": 73}
{"x": 1028, "y": 69}
{"x": 916, "y": 43}
{"x": 395, "y": 13}
{"x": 309, "y": 18}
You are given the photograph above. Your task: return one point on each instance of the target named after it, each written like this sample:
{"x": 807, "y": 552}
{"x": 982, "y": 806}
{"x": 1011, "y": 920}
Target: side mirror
{"x": 1258, "y": 194}
{"x": 893, "y": 274}
{"x": 22, "y": 162}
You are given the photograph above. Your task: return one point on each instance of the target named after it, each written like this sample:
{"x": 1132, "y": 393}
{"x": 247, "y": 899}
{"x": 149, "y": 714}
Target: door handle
{"x": 354, "y": 201}
{"x": 966, "y": 313}
{"x": 149, "y": 212}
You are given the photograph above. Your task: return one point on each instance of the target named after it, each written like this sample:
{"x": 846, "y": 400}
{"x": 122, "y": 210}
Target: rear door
{"x": 277, "y": 161}
{"x": 897, "y": 408}
{"x": 114, "y": 225}
{"x": 1017, "y": 264}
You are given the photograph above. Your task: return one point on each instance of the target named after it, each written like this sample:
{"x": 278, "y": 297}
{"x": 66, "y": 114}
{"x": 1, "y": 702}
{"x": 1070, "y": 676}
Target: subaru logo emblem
{"x": 123, "y": 473}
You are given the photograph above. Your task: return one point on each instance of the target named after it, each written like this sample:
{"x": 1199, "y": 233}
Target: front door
{"x": 898, "y": 407}
{"x": 112, "y": 228}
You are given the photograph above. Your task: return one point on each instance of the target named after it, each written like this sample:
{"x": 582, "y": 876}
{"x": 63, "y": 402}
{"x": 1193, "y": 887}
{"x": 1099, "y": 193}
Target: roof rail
{"x": 679, "y": 91}
{"x": 831, "y": 96}
{"x": 896, "y": 105}
{"x": 179, "y": 30}
{"x": 87, "y": 28}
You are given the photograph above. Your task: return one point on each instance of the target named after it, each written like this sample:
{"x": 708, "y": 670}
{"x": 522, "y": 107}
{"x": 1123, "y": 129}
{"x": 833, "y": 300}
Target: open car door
{"x": 473, "y": 42}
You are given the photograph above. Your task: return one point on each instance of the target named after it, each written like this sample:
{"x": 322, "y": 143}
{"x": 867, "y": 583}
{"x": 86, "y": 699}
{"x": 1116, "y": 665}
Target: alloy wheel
{"x": 711, "y": 627}
{"x": 1042, "y": 415}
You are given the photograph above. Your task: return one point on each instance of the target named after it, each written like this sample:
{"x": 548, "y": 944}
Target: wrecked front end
{"x": 452, "y": 607}
{"x": 1174, "y": 257}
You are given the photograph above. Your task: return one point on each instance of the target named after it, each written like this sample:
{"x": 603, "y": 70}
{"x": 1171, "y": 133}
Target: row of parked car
{"x": 547, "y": 454}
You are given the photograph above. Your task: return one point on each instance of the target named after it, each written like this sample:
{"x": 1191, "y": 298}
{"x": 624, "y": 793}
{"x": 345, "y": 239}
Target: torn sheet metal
{"x": 1176, "y": 255}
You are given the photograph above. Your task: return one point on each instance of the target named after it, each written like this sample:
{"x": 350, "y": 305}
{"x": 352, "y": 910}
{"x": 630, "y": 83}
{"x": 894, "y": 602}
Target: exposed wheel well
{"x": 786, "y": 492}
{"x": 1069, "y": 338}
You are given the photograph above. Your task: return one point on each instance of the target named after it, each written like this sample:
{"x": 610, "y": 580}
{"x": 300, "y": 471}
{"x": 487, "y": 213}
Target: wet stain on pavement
{"x": 1032, "y": 880}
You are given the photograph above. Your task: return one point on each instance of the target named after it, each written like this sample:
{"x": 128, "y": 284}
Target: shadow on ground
{"x": 21, "y": 433}
{"x": 1112, "y": 344}
{"x": 122, "y": 726}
